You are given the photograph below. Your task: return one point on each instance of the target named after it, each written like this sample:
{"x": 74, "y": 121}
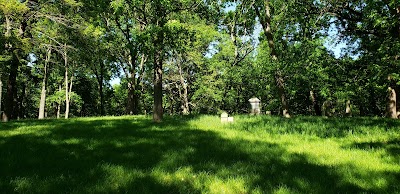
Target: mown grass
{"x": 198, "y": 154}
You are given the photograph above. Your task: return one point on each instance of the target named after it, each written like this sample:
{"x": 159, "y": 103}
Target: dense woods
{"x": 58, "y": 58}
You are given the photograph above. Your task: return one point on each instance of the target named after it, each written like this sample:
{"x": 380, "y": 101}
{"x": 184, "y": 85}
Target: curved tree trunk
{"x": 158, "y": 71}
{"x": 279, "y": 79}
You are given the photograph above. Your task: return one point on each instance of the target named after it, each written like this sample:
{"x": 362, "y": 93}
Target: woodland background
{"x": 57, "y": 58}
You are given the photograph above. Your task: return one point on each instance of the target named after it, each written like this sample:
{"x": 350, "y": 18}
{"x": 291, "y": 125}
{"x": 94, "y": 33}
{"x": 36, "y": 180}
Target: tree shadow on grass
{"x": 392, "y": 147}
{"x": 300, "y": 176}
{"x": 319, "y": 126}
{"x": 71, "y": 158}
{"x": 128, "y": 156}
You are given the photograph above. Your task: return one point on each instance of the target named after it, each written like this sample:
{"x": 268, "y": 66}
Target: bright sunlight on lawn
{"x": 200, "y": 155}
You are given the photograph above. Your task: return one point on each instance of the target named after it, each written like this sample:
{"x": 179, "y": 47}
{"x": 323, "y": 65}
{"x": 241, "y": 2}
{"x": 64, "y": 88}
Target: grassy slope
{"x": 200, "y": 155}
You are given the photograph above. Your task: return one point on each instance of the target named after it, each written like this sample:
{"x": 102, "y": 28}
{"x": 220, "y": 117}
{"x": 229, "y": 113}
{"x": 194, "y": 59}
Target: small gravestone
{"x": 255, "y": 106}
{"x": 225, "y": 118}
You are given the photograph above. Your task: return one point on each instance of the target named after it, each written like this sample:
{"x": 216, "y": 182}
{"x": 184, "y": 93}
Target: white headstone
{"x": 255, "y": 106}
{"x": 224, "y": 117}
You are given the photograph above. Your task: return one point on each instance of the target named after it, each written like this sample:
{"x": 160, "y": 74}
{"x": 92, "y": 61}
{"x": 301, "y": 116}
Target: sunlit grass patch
{"x": 114, "y": 178}
{"x": 199, "y": 154}
{"x": 34, "y": 130}
{"x": 189, "y": 181}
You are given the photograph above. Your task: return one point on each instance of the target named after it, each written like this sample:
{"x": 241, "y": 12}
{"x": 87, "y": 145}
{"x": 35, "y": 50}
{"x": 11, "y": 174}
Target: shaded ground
{"x": 134, "y": 155}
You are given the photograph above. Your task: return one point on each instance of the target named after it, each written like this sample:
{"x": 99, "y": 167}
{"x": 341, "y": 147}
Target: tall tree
{"x": 16, "y": 16}
{"x": 374, "y": 26}
{"x": 43, "y": 93}
{"x": 263, "y": 11}
{"x": 153, "y": 17}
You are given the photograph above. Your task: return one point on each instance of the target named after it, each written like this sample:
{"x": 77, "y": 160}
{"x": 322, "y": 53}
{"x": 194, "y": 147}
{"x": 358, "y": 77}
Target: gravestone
{"x": 255, "y": 106}
{"x": 225, "y": 118}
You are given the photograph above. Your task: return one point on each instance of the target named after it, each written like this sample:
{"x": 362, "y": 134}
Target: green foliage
{"x": 209, "y": 47}
{"x": 58, "y": 98}
{"x": 377, "y": 41}
{"x": 13, "y": 7}
{"x": 119, "y": 99}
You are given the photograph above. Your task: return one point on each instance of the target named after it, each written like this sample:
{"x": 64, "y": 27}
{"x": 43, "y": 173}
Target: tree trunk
{"x": 239, "y": 98}
{"x": 22, "y": 102}
{"x": 42, "y": 98}
{"x": 141, "y": 84}
{"x": 327, "y": 108}
{"x": 186, "y": 108}
{"x": 59, "y": 104}
{"x": 70, "y": 87}
{"x": 1, "y": 97}
{"x": 280, "y": 82}
{"x": 375, "y": 111}
{"x": 391, "y": 107}
{"x": 398, "y": 24}
{"x": 8, "y": 26}
{"x": 171, "y": 106}
{"x": 158, "y": 71}
{"x": 66, "y": 87}
{"x": 132, "y": 107}
{"x": 10, "y": 102}
{"x": 12, "y": 77}
{"x": 185, "y": 100}
{"x": 136, "y": 97}
{"x": 102, "y": 110}
{"x": 234, "y": 39}
{"x": 100, "y": 80}
{"x": 348, "y": 108}
{"x": 133, "y": 98}
{"x": 42, "y": 104}
{"x": 315, "y": 102}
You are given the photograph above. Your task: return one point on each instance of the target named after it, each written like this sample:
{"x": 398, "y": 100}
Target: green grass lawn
{"x": 200, "y": 155}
